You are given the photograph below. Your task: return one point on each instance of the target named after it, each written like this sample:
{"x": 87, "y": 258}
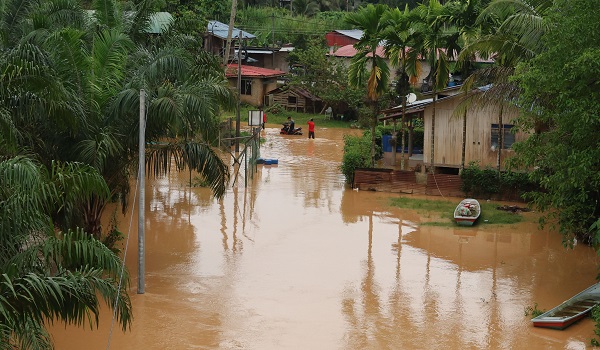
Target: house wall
{"x": 278, "y": 61}
{"x": 339, "y": 40}
{"x": 283, "y": 99}
{"x": 448, "y": 135}
{"x": 260, "y": 86}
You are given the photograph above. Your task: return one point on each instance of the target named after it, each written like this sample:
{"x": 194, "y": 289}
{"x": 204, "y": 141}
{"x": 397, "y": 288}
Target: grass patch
{"x": 489, "y": 214}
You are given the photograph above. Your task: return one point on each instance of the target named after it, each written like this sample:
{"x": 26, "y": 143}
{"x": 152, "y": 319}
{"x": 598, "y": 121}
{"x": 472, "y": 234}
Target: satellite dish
{"x": 410, "y": 98}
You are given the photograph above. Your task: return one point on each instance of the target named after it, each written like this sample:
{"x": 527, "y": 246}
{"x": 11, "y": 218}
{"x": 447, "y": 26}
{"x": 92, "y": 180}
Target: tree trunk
{"x": 402, "y": 131}
{"x": 432, "y": 153}
{"x": 464, "y": 142}
{"x": 500, "y": 141}
{"x": 229, "y": 33}
{"x": 373, "y": 126}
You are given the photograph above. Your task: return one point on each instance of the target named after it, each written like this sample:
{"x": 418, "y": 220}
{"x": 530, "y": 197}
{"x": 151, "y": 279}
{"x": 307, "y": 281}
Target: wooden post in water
{"x": 141, "y": 177}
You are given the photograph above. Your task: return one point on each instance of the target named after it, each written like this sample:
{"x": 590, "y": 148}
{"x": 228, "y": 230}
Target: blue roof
{"x": 220, "y": 30}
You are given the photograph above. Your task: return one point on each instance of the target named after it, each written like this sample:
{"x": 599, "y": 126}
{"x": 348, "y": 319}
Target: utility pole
{"x": 273, "y": 37}
{"x": 229, "y": 32}
{"x": 141, "y": 209}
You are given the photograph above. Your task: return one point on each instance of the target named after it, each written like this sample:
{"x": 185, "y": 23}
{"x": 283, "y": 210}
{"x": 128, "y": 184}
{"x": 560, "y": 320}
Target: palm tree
{"x": 368, "y": 19}
{"x": 398, "y": 34}
{"x": 438, "y": 41}
{"x": 49, "y": 275}
{"x": 72, "y": 91}
{"x": 511, "y": 34}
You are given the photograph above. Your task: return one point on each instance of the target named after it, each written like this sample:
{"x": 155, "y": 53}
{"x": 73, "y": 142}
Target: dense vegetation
{"x": 70, "y": 85}
{"x": 70, "y": 91}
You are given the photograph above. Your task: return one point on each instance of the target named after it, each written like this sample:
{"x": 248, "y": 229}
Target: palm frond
{"x": 196, "y": 156}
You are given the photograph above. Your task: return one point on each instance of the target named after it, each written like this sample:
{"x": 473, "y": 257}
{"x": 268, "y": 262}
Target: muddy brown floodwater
{"x": 298, "y": 261}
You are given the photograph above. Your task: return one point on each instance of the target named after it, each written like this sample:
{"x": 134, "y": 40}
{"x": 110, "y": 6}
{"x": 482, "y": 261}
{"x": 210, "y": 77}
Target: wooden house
{"x": 481, "y": 126}
{"x": 255, "y": 82}
{"x": 294, "y": 99}
{"x": 339, "y": 38}
{"x": 215, "y": 38}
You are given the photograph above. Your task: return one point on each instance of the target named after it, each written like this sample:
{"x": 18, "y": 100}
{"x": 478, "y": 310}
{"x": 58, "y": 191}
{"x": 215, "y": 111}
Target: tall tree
{"x": 561, "y": 92}
{"x": 49, "y": 275}
{"x": 72, "y": 90}
{"x": 438, "y": 41}
{"x": 399, "y": 36}
{"x": 510, "y": 32}
{"x": 368, "y": 19}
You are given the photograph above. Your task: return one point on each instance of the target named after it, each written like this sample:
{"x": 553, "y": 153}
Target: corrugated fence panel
{"x": 372, "y": 179}
{"x": 444, "y": 185}
{"x": 406, "y": 182}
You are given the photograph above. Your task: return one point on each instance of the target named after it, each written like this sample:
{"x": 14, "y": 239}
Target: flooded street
{"x": 298, "y": 261}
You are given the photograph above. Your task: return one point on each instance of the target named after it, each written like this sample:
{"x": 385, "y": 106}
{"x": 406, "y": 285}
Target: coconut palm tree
{"x": 438, "y": 41}
{"x": 511, "y": 33}
{"x": 50, "y": 275}
{"x": 72, "y": 90}
{"x": 368, "y": 19}
{"x": 399, "y": 35}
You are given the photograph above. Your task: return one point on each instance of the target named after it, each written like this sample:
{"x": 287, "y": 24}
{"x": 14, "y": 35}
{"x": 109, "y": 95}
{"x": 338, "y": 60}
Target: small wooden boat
{"x": 467, "y": 212}
{"x": 570, "y": 311}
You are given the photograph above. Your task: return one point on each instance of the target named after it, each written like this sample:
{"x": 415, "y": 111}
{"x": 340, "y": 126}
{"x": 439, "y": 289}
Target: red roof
{"x": 251, "y": 71}
{"x": 350, "y": 51}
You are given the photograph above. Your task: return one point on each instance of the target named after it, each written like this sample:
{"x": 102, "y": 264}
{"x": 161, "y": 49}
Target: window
{"x": 292, "y": 100}
{"x": 246, "y": 87}
{"x": 508, "y": 138}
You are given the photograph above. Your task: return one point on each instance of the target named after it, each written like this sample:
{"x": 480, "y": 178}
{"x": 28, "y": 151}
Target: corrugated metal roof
{"x": 352, "y": 33}
{"x": 220, "y": 30}
{"x": 251, "y": 71}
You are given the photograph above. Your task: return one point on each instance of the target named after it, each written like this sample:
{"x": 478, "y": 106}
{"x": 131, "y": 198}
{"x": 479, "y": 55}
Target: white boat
{"x": 570, "y": 311}
{"x": 467, "y": 212}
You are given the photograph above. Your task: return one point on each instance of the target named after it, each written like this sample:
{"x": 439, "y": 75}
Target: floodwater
{"x": 296, "y": 260}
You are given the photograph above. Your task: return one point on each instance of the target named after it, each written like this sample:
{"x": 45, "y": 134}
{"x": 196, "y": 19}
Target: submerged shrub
{"x": 357, "y": 154}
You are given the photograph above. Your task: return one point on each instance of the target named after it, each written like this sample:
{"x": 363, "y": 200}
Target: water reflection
{"x": 297, "y": 261}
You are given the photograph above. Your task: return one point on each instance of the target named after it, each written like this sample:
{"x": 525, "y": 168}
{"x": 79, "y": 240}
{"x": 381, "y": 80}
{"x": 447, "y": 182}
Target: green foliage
{"x": 561, "y": 94}
{"x": 276, "y": 23}
{"x": 596, "y": 317}
{"x": 325, "y": 77}
{"x": 356, "y": 155}
{"x": 275, "y": 108}
{"x": 47, "y": 274}
{"x": 487, "y": 182}
{"x": 445, "y": 210}
{"x": 533, "y": 311}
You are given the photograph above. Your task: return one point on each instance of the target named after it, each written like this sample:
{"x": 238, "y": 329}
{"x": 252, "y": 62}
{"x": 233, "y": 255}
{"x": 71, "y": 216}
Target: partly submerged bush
{"x": 357, "y": 154}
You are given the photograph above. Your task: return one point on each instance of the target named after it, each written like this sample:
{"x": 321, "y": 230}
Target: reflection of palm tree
{"x": 370, "y": 318}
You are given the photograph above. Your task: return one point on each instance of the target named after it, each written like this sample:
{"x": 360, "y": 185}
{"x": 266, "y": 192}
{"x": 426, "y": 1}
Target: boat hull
{"x": 570, "y": 311}
{"x": 470, "y": 216}
{"x": 465, "y": 222}
{"x": 559, "y": 325}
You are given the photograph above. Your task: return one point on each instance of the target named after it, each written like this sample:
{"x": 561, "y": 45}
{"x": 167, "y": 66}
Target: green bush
{"x": 357, "y": 154}
{"x": 487, "y": 182}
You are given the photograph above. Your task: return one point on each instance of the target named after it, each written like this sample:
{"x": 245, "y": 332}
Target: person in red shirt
{"x": 264, "y": 119}
{"x": 311, "y": 128}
